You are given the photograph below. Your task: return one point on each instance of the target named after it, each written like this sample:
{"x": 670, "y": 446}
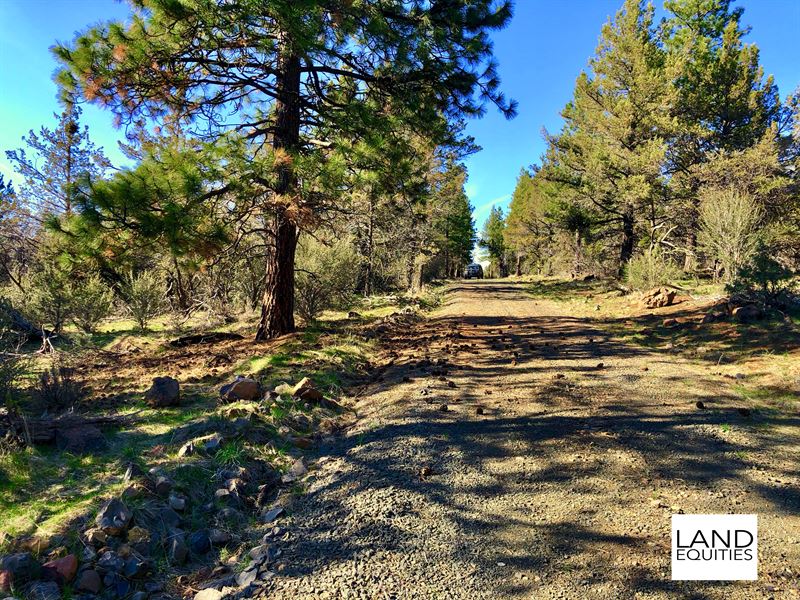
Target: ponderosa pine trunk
{"x": 277, "y": 306}
{"x": 370, "y": 248}
{"x": 626, "y": 250}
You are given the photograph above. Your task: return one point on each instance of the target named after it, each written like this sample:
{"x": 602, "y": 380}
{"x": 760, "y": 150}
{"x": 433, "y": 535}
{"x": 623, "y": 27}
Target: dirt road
{"x": 552, "y": 473}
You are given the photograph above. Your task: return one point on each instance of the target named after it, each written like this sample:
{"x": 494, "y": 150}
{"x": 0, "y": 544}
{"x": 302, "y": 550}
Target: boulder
{"x": 165, "y": 391}
{"x": 21, "y": 567}
{"x": 242, "y": 388}
{"x": 747, "y": 313}
{"x": 670, "y": 323}
{"x": 114, "y": 517}
{"x": 305, "y": 390}
{"x": 658, "y": 297}
{"x": 82, "y": 439}
{"x": 62, "y": 570}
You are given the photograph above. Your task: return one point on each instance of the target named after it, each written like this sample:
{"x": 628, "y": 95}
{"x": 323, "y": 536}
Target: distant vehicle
{"x": 473, "y": 271}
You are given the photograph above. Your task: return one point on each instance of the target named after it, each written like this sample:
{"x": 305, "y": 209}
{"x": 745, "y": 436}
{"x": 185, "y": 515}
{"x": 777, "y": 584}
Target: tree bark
{"x": 626, "y": 251}
{"x": 370, "y": 248}
{"x": 518, "y": 269}
{"x": 277, "y": 306}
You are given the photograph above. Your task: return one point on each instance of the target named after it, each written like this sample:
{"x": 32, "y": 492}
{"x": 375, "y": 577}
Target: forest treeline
{"x": 282, "y": 157}
{"x": 677, "y": 155}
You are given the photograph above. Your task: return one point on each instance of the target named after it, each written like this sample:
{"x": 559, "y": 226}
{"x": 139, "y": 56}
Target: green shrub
{"x": 49, "y": 295}
{"x": 325, "y": 277}
{"x": 766, "y": 279}
{"x": 144, "y": 297}
{"x": 651, "y": 269}
{"x": 91, "y": 302}
{"x": 12, "y": 363}
{"x": 730, "y": 229}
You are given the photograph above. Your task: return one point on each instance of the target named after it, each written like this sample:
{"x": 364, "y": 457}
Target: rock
{"x": 264, "y": 554}
{"x": 444, "y": 408}
{"x": 353, "y": 315}
{"x": 210, "y": 444}
{"x": 22, "y": 567}
{"x": 235, "y": 485}
{"x": 135, "y": 568}
{"x": 163, "y": 486}
{"x": 119, "y": 586}
{"x": 138, "y": 535}
{"x": 747, "y": 313}
{"x": 169, "y": 519}
{"x": 96, "y": 537}
{"x": 89, "y": 581}
{"x": 83, "y": 439}
{"x": 208, "y": 594}
{"x": 658, "y": 297}
{"x": 114, "y": 517}
{"x": 44, "y": 590}
{"x": 177, "y": 549}
{"x": 305, "y": 390}
{"x": 133, "y": 472}
{"x": 247, "y": 576}
{"x": 699, "y": 404}
{"x": 425, "y": 472}
{"x": 270, "y": 515}
{"x": 62, "y": 570}
{"x": 297, "y": 470}
{"x": 219, "y": 537}
{"x": 199, "y": 542}
{"x": 242, "y": 388}
{"x": 229, "y": 514}
{"x": 479, "y": 410}
{"x": 165, "y": 391}
{"x": 669, "y": 323}
{"x": 177, "y": 503}
{"x": 110, "y": 562}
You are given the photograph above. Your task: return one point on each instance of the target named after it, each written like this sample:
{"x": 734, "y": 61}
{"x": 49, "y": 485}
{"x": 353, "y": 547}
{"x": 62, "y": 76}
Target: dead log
{"x": 44, "y": 430}
{"x": 205, "y": 338}
{"x": 21, "y": 324}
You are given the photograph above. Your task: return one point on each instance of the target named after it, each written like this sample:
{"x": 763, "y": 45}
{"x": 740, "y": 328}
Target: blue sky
{"x": 540, "y": 55}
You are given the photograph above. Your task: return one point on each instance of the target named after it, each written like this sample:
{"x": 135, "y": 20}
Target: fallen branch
{"x": 43, "y": 430}
{"x": 205, "y": 338}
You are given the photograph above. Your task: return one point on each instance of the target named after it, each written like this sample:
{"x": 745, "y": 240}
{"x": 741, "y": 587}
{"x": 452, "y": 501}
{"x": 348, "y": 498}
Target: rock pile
{"x": 658, "y": 298}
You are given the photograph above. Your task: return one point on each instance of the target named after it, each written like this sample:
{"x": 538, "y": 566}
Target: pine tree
{"x": 289, "y": 77}
{"x": 55, "y": 162}
{"x": 722, "y": 102}
{"x": 611, "y": 148}
{"x": 493, "y": 240}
